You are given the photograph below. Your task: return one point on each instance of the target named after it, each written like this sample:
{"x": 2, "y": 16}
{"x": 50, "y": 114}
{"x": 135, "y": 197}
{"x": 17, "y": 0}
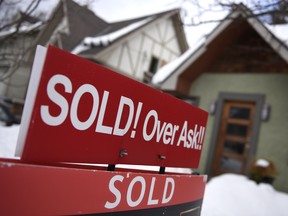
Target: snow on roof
{"x": 171, "y": 66}
{"x": 280, "y": 31}
{"x": 197, "y": 38}
{"x": 106, "y": 39}
{"x": 23, "y": 29}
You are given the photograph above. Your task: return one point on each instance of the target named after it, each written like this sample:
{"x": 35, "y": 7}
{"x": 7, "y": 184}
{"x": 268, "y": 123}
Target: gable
{"x": 133, "y": 54}
{"x": 249, "y": 53}
{"x": 226, "y": 49}
{"x": 115, "y": 32}
{"x": 237, "y": 48}
{"x": 82, "y": 23}
{"x": 70, "y": 23}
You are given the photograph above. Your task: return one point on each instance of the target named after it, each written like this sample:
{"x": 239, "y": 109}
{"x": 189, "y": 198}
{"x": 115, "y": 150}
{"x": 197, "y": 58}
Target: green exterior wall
{"x": 273, "y": 136}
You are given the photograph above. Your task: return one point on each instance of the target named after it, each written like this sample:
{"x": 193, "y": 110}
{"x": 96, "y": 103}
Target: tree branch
{"x": 18, "y": 22}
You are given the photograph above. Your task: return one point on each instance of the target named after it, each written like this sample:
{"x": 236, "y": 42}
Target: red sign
{"x": 85, "y": 113}
{"x": 37, "y": 190}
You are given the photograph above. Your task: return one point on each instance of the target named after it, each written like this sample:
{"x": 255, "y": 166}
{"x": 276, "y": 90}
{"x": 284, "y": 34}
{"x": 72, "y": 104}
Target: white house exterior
{"x": 143, "y": 51}
{"x": 14, "y": 66}
{"x": 136, "y": 48}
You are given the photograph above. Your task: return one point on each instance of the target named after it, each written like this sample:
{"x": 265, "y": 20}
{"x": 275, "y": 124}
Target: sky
{"x": 117, "y": 10}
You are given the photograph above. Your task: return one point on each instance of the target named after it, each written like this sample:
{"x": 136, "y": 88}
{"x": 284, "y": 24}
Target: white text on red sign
{"x": 162, "y": 132}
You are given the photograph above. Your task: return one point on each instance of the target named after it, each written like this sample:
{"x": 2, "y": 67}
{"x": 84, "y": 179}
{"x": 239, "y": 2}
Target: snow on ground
{"x": 8, "y": 140}
{"x": 236, "y": 195}
{"x": 225, "y": 195}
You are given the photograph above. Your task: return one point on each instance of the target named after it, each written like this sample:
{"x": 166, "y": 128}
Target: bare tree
{"x": 14, "y": 46}
{"x": 270, "y": 11}
{"x": 10, "y": 18}
{"x": 14, "y": 42}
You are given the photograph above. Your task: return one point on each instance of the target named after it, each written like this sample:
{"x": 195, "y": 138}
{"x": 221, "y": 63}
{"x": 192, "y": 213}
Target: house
{"x": 136, "y": 48}
{"x": 240, "y": 75}
{"x": 15, "y": 44}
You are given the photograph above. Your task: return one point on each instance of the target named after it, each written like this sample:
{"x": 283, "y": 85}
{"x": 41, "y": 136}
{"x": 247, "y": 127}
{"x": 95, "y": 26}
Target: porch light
{"x": 265, "y": 113}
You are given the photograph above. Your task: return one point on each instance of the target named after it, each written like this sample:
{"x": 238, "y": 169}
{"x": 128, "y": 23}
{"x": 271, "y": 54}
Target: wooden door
{"x": 233, "y": 142}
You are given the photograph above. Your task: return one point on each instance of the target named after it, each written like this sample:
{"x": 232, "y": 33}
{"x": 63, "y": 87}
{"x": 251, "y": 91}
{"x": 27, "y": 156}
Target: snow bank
{"x": 236, "y": 195}
{"x": 8, "y": 140}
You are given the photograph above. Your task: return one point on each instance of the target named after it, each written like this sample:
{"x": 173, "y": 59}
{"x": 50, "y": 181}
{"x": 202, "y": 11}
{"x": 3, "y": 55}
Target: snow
{"x": 169, "y": 68}
{"x": 23, "y": 29}
{"x": 225, "y": 195}
{"x": 124, "y": 31}
{"x": 8, "y": 140}
{"x": 262, "y": 163}
{"x": 280, "y": 31}
{"x": 236, "y": 195}
{"x": 197, "y": 37}
{"x": 195, "y": 41}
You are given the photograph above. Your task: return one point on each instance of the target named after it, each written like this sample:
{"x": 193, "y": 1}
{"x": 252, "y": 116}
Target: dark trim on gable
{"x": 180, "y": 34}
{"x": 259, "y": 100}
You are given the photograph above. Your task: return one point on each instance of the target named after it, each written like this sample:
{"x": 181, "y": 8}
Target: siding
{"x": 15, "y": 50}
{"x": 132, "y": 56}
{"x": 273, "y": 140}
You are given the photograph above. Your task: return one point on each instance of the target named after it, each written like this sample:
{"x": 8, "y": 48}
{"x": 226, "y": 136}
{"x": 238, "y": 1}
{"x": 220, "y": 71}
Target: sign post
{"x": 78, "y": 112}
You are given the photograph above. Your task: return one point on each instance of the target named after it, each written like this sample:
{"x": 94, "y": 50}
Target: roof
{"x": 24, "y": 28}
{"x": 82, "y": 22}
{"x": 171, "y": 71}
{"x": 85, "y": 32}
{"x": 114, "y": 31}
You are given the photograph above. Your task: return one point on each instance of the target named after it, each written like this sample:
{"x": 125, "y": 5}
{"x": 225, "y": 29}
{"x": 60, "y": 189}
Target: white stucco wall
{"x": 133, "y": 55}
{"x": 272, "y": 141}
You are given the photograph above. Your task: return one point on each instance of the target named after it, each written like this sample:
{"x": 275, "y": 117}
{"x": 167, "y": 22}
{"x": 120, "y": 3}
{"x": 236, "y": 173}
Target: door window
{"x": 233, "y": 142}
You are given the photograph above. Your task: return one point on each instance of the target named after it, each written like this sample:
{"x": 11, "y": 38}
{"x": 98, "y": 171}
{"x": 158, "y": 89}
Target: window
{"x": 153, "y": 65}
{"x": 3, "y": 115}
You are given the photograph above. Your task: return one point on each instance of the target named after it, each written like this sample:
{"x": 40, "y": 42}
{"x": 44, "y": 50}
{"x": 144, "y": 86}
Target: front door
{"x": 233, "y": 142}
